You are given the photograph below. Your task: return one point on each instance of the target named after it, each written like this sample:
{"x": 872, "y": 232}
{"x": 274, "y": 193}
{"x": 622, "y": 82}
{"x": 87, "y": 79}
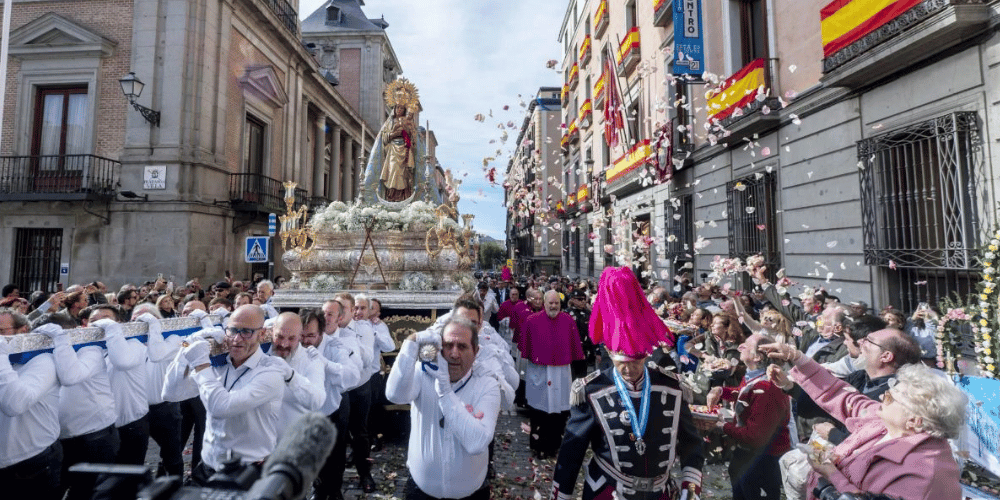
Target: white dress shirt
{"x": 493, "y": 359}
{"x": 29, "y": 408}
{"x": 445, "y": 461}
{"x": 128, "y": 375}
{"x": 85, "y": 401}
{"x": 845, "y": 365}
{"x": 161, "y": 351}
{"x": 383, "y": 339}
{"x": 342, "y": 364}
{"x": 489, "y": 303}
{"x": 241, "y": 405}
{"x": 366, "y": 340}
{"x": 306, "y": 391}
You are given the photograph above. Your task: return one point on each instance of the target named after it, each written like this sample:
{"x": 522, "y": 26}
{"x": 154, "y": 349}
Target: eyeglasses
{"x": 868, "y": 340}
{"x": 242, "y": 332}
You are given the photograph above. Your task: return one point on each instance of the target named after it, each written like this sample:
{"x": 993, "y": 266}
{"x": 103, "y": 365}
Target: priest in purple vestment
{"x": 549, "y": 343}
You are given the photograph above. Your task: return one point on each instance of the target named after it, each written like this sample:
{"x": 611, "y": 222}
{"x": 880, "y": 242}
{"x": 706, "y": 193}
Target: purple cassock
{"x": 521, "y": 312}
{"x": 550, "y": 342}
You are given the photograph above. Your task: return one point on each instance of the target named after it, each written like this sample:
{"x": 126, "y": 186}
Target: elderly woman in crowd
{"x": 897, "y": 447}
{"x": 165, "y": 304}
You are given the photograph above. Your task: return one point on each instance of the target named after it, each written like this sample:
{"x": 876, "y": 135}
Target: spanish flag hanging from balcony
{"x": 613, "y": 119}
{"x": 843, "y": 22}
{"x": 737, "y": 91}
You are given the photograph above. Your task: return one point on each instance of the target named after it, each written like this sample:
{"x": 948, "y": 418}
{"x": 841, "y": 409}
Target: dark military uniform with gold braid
{"x": 599, "y": 420}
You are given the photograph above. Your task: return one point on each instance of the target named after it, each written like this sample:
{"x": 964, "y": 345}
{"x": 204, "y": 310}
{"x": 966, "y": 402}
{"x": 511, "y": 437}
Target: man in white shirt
{"x": 343, "y": 364}
{"x": 86, "y": 405}
{"x": 242, "y": 397}
{"x": 488, "y": 299}
{"x": 383, "y": 338}
{"x": 128, "y": 375}
{"x": 359, "y": 398}
{"x": 164, "y": 416}
{"x": 306, "y": 392}
{"x": 384, "y": 342}
{"x": 453, "y": 414}
{"x": 30, "y": 452}
{"x": 191, "y": 407}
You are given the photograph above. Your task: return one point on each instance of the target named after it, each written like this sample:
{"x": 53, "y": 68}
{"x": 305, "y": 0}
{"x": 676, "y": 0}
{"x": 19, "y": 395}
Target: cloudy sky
{"x": 470, "y": 57}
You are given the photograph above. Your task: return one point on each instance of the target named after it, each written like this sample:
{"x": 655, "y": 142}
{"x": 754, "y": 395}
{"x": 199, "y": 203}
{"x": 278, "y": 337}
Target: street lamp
{"x": 132, "y": 88}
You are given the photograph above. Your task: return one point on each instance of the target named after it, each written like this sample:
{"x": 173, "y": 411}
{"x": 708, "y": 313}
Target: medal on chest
{"x": 629, "y": 417}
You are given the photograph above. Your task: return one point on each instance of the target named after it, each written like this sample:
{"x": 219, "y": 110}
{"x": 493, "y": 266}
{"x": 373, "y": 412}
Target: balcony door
{"x": 58, "y": 139}
{"x": 253, "y": 157}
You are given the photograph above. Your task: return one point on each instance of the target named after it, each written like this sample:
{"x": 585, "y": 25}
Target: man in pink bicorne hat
{"x": 633, "y": 415}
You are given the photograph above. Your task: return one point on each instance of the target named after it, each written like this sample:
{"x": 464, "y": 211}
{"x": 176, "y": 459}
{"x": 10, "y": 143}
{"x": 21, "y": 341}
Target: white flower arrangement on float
{"x": 984, "y": 324}
{"x": 467, "y": 282}
{"x": 326, "y": 282}
{"x": 416, "y": 281}
{"x": 341, "y": 217}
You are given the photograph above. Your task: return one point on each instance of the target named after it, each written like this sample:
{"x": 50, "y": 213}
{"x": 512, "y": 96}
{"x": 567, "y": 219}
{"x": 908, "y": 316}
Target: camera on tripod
{"x": 229, "y": 483}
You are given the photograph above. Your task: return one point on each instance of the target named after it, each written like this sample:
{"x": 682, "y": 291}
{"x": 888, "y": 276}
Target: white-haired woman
{"x": 898, "y": 446}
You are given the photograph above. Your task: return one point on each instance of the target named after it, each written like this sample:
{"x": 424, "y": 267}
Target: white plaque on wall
{"x": 154, "y": 177}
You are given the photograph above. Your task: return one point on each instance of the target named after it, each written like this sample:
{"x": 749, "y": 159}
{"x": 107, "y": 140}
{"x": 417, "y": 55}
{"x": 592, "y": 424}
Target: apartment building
{"x": 847, "y": 142}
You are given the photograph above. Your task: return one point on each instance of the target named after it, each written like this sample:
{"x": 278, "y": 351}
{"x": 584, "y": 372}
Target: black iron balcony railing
{"x": 286, "y": 14}
{"x": 260, "y": 193}
{"x": 57, "y": 177}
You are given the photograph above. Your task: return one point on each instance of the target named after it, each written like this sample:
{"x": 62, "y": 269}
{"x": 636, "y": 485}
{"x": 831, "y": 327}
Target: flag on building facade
{"x": 613, "y": 120}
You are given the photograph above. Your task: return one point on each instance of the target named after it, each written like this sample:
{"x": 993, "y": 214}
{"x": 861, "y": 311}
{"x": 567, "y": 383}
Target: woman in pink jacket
{"x": 898, "y": 446}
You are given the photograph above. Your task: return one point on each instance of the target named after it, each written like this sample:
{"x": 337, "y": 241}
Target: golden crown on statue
{"x": 294, "y": 229}
{"x": 402, "y": 92}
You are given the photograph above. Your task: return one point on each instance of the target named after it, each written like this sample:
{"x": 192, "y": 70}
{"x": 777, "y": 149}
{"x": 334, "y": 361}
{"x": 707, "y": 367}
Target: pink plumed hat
{"x": 622, "y": 318}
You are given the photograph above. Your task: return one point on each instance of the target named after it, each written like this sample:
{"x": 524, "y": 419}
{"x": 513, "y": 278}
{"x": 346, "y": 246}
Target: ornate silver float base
{"x": 391, "y": 299}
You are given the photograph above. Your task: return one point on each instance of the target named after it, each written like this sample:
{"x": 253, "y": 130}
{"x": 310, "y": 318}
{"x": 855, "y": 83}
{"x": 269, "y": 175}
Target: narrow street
{"x": 518, "y": 475}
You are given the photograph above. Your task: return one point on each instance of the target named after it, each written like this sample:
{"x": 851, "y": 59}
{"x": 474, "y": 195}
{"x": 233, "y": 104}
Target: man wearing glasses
{"x": 242, "y": 397}
{"x": 883, "y": 351}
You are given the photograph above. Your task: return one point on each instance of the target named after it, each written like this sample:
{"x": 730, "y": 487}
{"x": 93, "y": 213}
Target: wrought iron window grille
{"x": 752, "y": 214}
{"x": 920, "y": 192}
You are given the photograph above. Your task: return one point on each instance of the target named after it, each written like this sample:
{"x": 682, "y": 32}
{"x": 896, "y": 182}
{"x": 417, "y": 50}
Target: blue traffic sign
{"x": 256, "y": 249}
{"x": 272, "y": 224}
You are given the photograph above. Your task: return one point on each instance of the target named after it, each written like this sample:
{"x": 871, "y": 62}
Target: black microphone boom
{"x": 297, "y": 460}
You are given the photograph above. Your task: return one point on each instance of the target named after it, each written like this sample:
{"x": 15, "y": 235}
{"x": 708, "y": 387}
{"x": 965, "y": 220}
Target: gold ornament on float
{"x": 293, "y": 232}
{"x": 402, "y": 92}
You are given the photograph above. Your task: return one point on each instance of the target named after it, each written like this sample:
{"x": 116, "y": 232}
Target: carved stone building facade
{"x": 89, "y": 189}
{"x": 530, "y": 182}
{"x": 854, "y": 148}
{"x": 355, "y": 54}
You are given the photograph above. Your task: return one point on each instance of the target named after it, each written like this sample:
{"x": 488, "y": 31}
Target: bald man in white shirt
{"x": 242, "y": 397}
{"x": 306, "y": 392}
{"x": 343, "y": 362}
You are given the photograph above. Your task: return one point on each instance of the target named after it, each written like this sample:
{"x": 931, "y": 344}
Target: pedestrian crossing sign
{"x": 256, "y": 249}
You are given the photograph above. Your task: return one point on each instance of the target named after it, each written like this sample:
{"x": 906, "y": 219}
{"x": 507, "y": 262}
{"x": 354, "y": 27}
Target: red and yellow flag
{"x": 843, "y": 22}
{"x": 737, "y": 91}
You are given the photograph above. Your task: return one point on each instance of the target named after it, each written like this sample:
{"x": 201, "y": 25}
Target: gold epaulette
{"x": 579, "y": 388}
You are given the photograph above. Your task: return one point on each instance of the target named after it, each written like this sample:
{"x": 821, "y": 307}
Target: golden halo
{"x": 402, "y": 92}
